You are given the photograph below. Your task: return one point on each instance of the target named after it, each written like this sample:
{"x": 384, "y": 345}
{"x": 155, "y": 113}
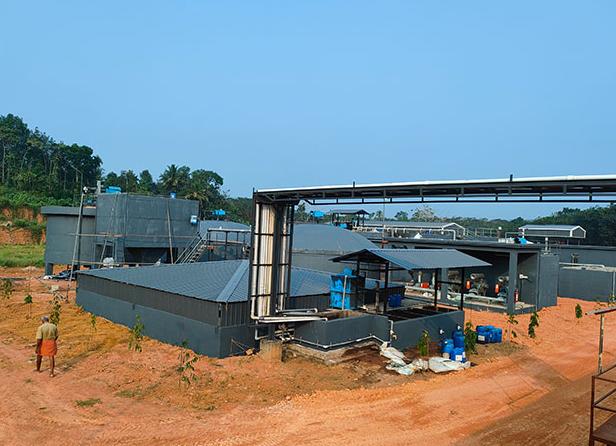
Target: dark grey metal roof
{"x": 223, "y": 281}
{"x": 410, "y": 259}
{"x": 328, "y": 238}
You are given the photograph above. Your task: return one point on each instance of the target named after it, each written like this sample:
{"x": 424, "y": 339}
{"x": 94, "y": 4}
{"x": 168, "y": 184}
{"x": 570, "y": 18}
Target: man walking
{"x": 46, "y": 337}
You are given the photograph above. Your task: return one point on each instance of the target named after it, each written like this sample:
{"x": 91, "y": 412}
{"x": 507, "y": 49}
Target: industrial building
{"x": 205, "y": 303}
{"x": 127, "y": 228}
{"x": 419, "y": 229}
{"x": 224, "y": 307}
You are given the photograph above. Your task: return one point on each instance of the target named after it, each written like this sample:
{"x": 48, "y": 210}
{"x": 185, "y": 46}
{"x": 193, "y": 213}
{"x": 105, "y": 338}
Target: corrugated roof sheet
{"x": 223, "y": 281}
{"x": 411, "y": 259}
{"x": 328, "y": 238}
{"x": 414, "y": 224}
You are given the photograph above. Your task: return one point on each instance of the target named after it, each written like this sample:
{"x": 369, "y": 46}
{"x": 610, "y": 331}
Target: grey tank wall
{"x": 143, "y": 220}
{"x": 203, "y": 338}
{"x": 586, "y": 284}
{"x": 602, "y": 255}
{"x": 408, "y": 332}
{"x": 336, "y": 332}
{"x": 60, "y": 239}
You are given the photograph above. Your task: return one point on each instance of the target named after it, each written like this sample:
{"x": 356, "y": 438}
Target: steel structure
{"x": 272, "y": 230}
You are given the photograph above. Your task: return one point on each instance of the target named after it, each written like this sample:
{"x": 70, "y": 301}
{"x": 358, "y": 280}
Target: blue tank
{"x": 448, "y": 351}
{"x": 459, "y": 355}
{"x": 458, "y": 341}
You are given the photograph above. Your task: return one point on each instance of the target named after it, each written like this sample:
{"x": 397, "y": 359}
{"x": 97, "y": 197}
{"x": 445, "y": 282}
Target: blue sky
{"x": 296, "y": 93}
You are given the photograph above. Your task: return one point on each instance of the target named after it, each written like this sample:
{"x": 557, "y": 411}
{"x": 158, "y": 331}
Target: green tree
{"x": 146, "y": 183}
{"x": 175, "y": 179}
{"x": 128, "y": 181}
{"x": 402, "y": 216}
{"x": 424, "y": 213}
{"x": 300, "y": 213}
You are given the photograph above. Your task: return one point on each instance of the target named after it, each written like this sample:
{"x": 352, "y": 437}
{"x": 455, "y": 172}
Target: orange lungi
{"x": 48, "y": 347}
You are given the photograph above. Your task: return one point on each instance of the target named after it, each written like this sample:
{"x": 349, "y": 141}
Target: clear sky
{"x": 296, "y": 93}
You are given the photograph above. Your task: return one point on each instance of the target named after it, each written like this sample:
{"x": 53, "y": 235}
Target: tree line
{"x": 35, "y": 169}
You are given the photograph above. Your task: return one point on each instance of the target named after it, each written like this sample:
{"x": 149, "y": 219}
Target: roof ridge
{"x": 233, "y": 282}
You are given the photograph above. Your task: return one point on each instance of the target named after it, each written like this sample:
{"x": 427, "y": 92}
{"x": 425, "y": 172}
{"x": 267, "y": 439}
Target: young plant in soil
{"x": 470, "y": 338}
{"x": 578, "y": 311}
{"x": 28, "y": 301}
{"x": 511, "y": 322}
{"x": 136, "y": 335}
{"x": 6, "y": 288}
{"x": 56, "y": 309}
{"x": 534, "y": 323}
{"x": 423, "y": 346}
{"x": 186, "y": 367}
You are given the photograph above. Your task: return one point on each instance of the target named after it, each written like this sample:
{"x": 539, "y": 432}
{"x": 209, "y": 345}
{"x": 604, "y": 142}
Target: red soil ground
{"x": 533, "y": 391}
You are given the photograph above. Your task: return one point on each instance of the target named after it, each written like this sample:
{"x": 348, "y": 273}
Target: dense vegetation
{"x": 36, "y": 170}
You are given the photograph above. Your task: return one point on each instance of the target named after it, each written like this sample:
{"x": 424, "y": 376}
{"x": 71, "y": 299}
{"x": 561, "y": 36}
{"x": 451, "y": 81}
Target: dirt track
{"x": 535, "y": 393}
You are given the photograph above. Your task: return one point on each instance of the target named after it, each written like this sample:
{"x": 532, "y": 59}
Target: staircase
{"x": 193, "y": 252}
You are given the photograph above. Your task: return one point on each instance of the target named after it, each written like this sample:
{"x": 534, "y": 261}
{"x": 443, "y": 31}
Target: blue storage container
{"x": 448, "y": 351}
{"x": 498, "y": 335}
{"x": 458, "y": 341}
{"x": 459, "y": 355}
{"x": 483, "y": 335}
{"x": 395, "y": 301}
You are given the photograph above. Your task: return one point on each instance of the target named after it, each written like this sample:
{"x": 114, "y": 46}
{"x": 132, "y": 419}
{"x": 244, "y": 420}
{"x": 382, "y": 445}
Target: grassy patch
{"x": 21, "y": 255}
{"x": 88, "y": 403}
{"x": 130, "y": 393}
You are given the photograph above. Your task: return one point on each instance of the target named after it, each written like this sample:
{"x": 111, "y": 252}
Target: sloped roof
{"x": 328, "y": 238}
{"x": 414, "y": 224}
{"x": 223, "y": 281}
{"x": 410, "y": 259}
{"x": 564, "y": 230}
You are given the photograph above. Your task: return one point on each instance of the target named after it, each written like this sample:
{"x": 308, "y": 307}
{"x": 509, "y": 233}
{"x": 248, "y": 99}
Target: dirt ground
{"x": 531, "y": 391}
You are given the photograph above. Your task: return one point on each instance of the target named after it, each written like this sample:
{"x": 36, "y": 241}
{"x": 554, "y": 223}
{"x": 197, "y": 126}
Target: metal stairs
{"x": 193, "y": 252}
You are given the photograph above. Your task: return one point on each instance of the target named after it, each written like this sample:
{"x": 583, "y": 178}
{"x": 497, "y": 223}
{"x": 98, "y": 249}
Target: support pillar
{"x": 513, "y": 282}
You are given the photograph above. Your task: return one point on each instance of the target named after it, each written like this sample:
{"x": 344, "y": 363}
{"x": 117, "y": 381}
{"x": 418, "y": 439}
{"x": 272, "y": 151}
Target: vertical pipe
{"x": 386, "y": 288}
{"x": 435, "y": 289}
{"x": 462, "y": 287}
{"x": 513, "y": 282}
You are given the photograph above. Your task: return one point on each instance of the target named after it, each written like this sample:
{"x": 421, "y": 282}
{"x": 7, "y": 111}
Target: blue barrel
{"x": 498, "y": 335}
{"x": 483, "y": 335}
{"x": 446, "y": 342}
{"x": 458, "y": 355}
{"x": 458, "y": 341}
{"x": 448, "y": 351}
{"x": 395, "y": 300}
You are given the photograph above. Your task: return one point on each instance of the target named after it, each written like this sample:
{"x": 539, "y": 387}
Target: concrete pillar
{"x": 270, "y": 350}
{"x": 513, "y": 281}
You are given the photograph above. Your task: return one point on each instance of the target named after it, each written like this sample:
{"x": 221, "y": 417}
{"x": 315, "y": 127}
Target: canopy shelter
{"x": 549, "y": 231}
{"x": 387, "y": 260}
{"x": 357, "y": 216}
